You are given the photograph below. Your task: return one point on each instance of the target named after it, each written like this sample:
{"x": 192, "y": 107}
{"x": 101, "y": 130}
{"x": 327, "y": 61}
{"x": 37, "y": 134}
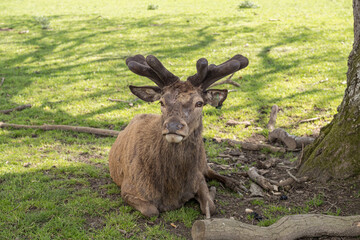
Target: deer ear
{"x": 146, "y": 93}
{"x": 215, "y": 97}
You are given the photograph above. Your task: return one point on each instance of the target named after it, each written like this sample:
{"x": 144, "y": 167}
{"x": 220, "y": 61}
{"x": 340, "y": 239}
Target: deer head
{"x": 182, "y": 101}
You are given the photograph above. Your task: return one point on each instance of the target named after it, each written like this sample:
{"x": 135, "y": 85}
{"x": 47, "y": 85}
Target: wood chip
{"x": 256, "y": 190}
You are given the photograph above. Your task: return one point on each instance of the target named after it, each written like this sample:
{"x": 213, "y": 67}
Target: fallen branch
{"x": 292, "y": 142}
{"x": 18, "y": 108}
{"x": 251, "y": 146}
{"x": 268, "y": 163}
{"x": 309, "y": 120}
{"x": 227, "y": 81}
{"x": 293, "y": 177}
{"x": 273, "y": 116}
{"x": 97, "y": 131}
{"x": 288, "y": 227}
{"x": 289, "y": 181}
{"x": 262, "y": 181}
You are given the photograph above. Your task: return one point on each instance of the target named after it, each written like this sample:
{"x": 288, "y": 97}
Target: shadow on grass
{"x": 270, "y": 68}
{"x": 70, "y": 49}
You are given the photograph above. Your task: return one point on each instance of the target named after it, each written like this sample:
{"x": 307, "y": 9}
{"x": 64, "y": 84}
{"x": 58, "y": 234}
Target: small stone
{"x": 27, "y": 164}
{"x": 248, "y": 210}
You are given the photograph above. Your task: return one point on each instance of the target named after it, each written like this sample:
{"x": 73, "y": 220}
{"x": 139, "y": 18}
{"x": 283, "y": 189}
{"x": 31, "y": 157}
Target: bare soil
{"x": 336, "y": 197}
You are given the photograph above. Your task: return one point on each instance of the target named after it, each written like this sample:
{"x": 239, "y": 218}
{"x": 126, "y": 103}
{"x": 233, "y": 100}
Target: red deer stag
{"x": 159, "y": 161}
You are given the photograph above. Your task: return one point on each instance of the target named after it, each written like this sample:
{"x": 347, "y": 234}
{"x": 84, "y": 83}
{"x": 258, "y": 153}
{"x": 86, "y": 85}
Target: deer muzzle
{"x": 175, "y": 130}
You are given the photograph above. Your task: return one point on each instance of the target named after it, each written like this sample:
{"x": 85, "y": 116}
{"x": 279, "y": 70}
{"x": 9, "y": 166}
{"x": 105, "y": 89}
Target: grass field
{"x": 66, "y": 58}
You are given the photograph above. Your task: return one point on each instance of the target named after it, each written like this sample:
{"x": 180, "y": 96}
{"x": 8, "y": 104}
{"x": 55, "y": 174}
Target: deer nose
{"x": 174, "y": 126}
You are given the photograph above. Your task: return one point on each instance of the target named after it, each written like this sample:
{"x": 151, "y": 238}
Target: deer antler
{"x": 207, "y": 75}
{"x": 151, "y": 68}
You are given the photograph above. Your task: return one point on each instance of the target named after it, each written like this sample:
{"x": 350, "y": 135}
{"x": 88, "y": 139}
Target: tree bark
{"x": 287, "y": 228}
{"x": 336, "y": 152}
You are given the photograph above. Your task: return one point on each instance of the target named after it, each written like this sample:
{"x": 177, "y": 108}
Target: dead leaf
{"x": 24, "y": 31}
{"x": 27, "y": 164}
{"x": 173, "y": 225}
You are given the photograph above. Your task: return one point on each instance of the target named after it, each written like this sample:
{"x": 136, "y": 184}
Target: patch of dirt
{"x": 336, "y": 198}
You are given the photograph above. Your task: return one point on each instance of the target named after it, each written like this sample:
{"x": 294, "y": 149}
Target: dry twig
{"x": 97, "y": 131}
{"x": 18, "y": 108}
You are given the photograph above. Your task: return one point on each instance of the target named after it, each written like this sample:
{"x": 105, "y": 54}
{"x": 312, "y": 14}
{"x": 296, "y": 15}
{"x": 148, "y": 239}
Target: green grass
{"x": 72, "y": 59}
{"x": 272, "y": 213}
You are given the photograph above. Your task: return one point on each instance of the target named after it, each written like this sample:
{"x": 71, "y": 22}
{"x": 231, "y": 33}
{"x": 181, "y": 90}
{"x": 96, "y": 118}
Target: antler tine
{"x": 138, "y": 65}
{"x": 165, "y": 75}
{"x": 213, "y": 73}
{"x": 202, "y": 69}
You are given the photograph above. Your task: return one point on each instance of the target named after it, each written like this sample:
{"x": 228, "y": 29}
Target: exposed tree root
{"x": 288, "y": 227}
{"x": 18, "y": 108}
{"x": 97, "y": 131}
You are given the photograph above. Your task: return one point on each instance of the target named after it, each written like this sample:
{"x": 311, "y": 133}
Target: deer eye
{"x": 199, "y": 104}
{"x": 161, "y": 103}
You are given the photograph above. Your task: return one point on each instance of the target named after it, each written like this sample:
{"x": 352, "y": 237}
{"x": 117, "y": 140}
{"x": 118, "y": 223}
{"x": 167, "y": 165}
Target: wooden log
{"x": 262, "y": 181}
{"x": 18, "y": 108}
{"x": 251, "y": 146}
{"x": 273, "y": 116}
{"x": 267, "y": 163}
{"x": 97, "y": 131}
{"x": 292, "y": 142}
{"x": 287, "y": 228}
{"x": 256, "y": 190}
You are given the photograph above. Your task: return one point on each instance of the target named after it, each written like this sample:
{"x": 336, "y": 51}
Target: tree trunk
{"x": 336, "y": 152}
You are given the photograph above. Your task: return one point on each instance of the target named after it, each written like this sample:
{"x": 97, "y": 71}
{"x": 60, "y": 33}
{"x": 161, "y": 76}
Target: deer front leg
{"x": 145, "y": 207}
{"x": 206, "y": 199}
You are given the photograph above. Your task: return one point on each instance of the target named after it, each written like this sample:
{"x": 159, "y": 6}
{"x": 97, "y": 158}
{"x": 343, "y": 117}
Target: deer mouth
{"x": 173, "y": 138}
